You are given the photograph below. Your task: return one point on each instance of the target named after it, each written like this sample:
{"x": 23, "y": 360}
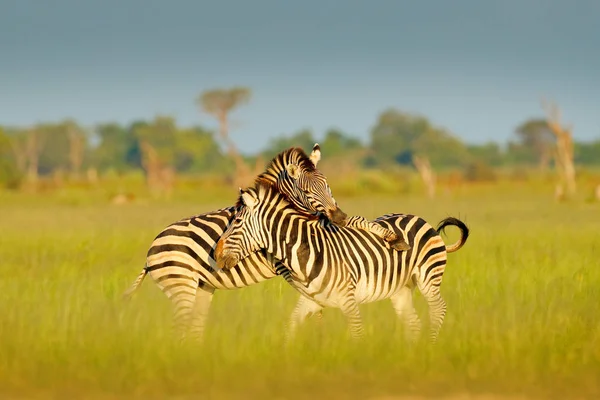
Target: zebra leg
{"x": 183, "y": 296}
{"x": 204, "y": 297}
{"x": 395, "y": 241}
{"x": 437, "y": 308}
{"x": 350, "y": 309}
{"x": 403, "y": 305}
{"x": 304, "y": 308}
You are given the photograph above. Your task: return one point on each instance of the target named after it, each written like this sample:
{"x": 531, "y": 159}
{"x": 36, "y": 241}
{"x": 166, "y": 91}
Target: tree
{"x": 536, "y": 136}
{"x": 116, "y": 144}
{"x": 77, "y": 145}
{"x": 27, "y": 146}
{"x": 490, "y": 153}
{"x": 564, "y": 148}
{"x": 220, "y": 103}
{"x": 587, "y": 153}
{"x": 427, "y": 175}
{"x": 303, "y": 139}
{"x": 197, "y": 151}
{"x": 399, "y": 136}
{"x": 337, "y": 142}
{"x": 10, "y": 175}
{"x": 17, "y": 139}
{"x": 157, "y": 147}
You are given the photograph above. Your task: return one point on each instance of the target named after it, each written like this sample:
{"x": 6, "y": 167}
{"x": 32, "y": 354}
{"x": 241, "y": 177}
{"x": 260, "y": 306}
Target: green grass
{"x": 523, "y": 309}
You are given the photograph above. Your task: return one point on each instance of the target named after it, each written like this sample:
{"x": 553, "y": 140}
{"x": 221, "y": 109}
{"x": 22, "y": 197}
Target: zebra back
{"x": 316, "y": 251}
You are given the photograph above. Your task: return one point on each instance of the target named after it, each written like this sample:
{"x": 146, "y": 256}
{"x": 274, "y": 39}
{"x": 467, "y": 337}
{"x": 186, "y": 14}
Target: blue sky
{"x": 475, "y": 68}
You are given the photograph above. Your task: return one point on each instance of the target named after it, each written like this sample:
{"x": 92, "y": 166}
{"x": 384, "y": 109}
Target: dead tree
{"x": 564, "y": 149}
{"x": 427, "y": 175}
{"x": 219, "y": 103}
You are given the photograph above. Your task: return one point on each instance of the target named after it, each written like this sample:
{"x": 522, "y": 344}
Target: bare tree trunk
{"x": 565, "y": 151}
{"x": 20, "y": 153}
{"x": 150, "y": 165}
{"x": 564, "y": 148}
{"x": 242, "y": 172}
{"x": 424, "y": 167}
{"x": 33, "y": 150}
{"x": 76, "y": 147}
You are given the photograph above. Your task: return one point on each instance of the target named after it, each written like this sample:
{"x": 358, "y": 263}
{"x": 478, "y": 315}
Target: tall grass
{"x": 523, "y": 310}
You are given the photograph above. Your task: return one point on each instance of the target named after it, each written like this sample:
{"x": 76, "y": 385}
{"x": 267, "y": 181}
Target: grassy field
{"x": 523, "y": 309}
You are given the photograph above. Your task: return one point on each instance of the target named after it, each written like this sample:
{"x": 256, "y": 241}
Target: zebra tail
{"x": 464, "y": 232}
{"x": 136, "y": 284}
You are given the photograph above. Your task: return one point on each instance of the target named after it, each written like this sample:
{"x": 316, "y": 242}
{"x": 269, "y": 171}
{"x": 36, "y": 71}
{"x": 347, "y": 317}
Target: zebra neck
{"x": 283, "y": 234}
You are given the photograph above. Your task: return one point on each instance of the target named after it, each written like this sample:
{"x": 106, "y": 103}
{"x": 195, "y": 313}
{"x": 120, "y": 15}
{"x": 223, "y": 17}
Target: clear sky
{"x": 477, "y": 68}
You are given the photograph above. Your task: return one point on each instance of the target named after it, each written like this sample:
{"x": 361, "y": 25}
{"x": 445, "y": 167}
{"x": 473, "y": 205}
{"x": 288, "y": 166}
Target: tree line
{"x": 161, "y": 148}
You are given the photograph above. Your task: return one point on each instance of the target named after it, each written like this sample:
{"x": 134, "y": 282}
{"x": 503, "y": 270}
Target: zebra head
{"x": 303, "y": 184}
{"x": 296, "y": 177}
{"x": 243, "y": 236}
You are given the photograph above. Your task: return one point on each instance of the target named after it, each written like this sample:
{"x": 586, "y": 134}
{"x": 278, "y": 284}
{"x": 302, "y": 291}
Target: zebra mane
{"x": 293, "y": 155}
{"x": 268, "y": 179}
{"x": 261, "y": 183}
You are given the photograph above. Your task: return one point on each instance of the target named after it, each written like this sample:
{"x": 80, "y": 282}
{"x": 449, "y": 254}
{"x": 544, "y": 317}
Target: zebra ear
{"x": 315, "y": 156}
{"x": 293, "y": 171}
{"x": 249, "y": 200}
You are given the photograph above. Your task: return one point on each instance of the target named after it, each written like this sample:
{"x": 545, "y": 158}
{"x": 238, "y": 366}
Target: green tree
{"x": 337, "y": 143}
{"x": 10, "y": 175}
{"x": 536, "y": 136}
{"x": 489, "y": 153}
{"x": 399, "y": 136}
{"x": 220, "y": 103}
{"x": 64, "y": 146}
{"x": 78, "y": 143}
{"x": 197, "y": 151}
{"x": 116, "y": 144}
{"x": 303, "y": 139}
{"x": 518, "y": 154}
{"x": 160, "y": 134}
{"x": 587, "y": 153}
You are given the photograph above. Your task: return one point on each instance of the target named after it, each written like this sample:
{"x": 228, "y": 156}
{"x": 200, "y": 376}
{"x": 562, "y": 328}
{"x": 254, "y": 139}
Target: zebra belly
{"x": 383, "y": 285}
{"x": 367, "y": 294}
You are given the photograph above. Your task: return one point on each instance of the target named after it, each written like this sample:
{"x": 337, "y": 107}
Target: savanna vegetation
{"x": 80, "y": 206}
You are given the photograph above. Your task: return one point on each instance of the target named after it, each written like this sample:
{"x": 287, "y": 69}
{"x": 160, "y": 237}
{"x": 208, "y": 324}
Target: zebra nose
{"x": 338, "y": 217}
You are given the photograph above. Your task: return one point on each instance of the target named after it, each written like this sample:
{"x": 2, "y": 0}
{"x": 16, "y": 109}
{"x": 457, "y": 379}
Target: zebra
{"x": 180, "y": 259}
{"x": 342, "y": 267}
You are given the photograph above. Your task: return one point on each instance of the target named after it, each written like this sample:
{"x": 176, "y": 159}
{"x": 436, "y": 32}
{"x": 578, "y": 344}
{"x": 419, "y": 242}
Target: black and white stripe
{"x": 342, "y": 267}
{"x": 180, "y": 259}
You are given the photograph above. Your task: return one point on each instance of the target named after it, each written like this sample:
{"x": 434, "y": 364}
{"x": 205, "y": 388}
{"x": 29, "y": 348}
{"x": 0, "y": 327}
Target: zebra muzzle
{"x": 338, "y": 217}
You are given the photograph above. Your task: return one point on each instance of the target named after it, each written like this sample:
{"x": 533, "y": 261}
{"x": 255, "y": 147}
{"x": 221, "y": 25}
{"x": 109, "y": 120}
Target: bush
{"x": 10, "y": 177}
{"x": 479, "y": 171}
